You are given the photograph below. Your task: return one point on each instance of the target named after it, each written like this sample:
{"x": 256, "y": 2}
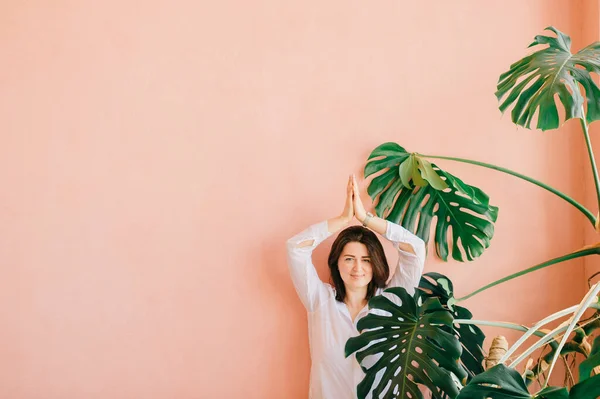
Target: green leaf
{"x": 501, "y": 382}
{"x": 533, "y": 82}
{"x": 406, "y": 171}
{"x": 593, "y": 360}
{"x": 460, "y": 207}
{"x": 431, "y": 176}
{"x": 552, "y": 393}
{"x": 439, "y": 286}
{"x": 588, "y": 387}
{"x": 410, "y": 170}
{"x": 404, "y": 344}
{"x": 393, "y": 155}
{"x": 470, "y": 336}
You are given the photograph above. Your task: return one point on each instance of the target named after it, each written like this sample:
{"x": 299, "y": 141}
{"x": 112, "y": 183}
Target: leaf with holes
{"x": 501, "y": 382}
{"x": 470, "y": 336}
{"x": 533, "y": 82}
{"x": 457, "y": 206}
{"x": 404, "y": 344}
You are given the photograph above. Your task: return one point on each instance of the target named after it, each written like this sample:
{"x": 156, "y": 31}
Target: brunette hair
{"x": 381, "y": 270}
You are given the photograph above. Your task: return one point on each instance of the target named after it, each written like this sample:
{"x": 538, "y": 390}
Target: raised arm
{"x": 411, "y": 257}
{"x": 311, "y": 290}
{"x": 411, "y": 249}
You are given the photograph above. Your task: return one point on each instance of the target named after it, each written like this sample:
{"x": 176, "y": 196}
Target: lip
{"x": 357, "y": 276}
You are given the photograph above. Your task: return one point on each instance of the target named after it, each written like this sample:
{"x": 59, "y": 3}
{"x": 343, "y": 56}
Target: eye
{"x": 348, "y": 259}
{"x": 367, "y": 260}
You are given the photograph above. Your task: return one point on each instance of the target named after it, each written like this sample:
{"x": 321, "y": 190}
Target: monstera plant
{"x": 426, "y": 341}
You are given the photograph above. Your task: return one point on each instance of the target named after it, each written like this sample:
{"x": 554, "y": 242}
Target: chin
{"x": 358, "y": 284}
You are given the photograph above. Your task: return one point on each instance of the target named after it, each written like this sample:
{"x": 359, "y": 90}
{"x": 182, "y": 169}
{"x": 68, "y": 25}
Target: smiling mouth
{"x": 357, "y": 276}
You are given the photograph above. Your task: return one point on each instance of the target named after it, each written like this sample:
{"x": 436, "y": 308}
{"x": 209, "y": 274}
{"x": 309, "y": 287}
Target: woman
{"x": 359, "y": 270}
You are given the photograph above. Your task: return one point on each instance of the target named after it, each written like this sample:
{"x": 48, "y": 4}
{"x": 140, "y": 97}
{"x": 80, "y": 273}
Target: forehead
{"x": 355, "y": 248}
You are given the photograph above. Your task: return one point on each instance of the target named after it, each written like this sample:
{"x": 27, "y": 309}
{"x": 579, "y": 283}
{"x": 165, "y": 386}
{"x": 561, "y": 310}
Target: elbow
{"x": 293, "y": 245}
{"x": 290, "y": 245}
{"x": 415, "y": 246}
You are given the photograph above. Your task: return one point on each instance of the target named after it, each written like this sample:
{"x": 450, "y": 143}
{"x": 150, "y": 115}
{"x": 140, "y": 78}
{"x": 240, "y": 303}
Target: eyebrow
{"x": 367, "y": 256}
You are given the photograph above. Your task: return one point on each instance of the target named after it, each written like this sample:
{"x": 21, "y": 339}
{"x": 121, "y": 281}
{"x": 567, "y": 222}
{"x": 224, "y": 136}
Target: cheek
{"x": 346, "y": 268}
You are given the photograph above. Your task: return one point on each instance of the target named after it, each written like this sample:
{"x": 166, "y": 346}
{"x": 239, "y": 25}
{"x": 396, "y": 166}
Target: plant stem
{"x": 573, "y": 255}
{"x": 587, "y": 300}
{"x": 588, "y": 143}
{"x": 562, "y": 195}
{"x": 502, "y": 324}
{"x": 536, "y": 327}
{"x": 546, "y": 337}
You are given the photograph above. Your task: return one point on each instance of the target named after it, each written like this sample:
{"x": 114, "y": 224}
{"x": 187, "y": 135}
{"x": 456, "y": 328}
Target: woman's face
{"x": 355, "y": 265}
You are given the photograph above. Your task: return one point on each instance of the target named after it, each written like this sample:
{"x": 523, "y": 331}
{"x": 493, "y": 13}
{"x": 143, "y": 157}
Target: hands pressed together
{"x": 354, "y": 206}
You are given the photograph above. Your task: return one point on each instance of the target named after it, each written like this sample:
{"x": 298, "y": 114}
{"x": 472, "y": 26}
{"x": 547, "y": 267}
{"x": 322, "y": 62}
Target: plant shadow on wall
{"x": 431, "y": 342}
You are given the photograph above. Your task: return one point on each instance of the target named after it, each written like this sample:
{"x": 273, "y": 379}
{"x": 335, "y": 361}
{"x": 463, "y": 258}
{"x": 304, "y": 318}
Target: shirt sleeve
{"x": 409, "y": 266}
{"x": 311, "y": 290}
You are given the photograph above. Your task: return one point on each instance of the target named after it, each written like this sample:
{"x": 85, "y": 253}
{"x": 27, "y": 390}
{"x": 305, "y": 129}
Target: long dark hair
{"x": 381, "y": 270}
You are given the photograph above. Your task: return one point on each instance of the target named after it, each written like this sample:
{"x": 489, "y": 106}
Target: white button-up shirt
{"x": 332, "y": 375}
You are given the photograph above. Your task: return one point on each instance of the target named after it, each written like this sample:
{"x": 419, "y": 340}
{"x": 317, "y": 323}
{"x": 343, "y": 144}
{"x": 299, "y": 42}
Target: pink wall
{"x": 155, "y": 158}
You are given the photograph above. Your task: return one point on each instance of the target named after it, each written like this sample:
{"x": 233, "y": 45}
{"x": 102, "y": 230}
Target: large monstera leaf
{"x": 470, "y": 336}
{"x": 405, "y": 343}
{"x": 412, "y": 191}
{"x": 533, "y": 82}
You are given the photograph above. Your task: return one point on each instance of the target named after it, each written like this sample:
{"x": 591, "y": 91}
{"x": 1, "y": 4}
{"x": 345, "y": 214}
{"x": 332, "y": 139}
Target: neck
{"x": 356, "y": 298}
